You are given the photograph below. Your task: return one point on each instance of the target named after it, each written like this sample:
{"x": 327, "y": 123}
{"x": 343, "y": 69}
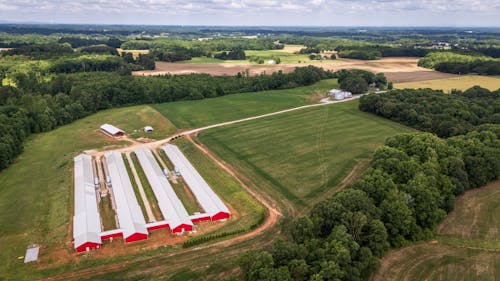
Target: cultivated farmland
{"x": 302, "y": 155}
{"x": 459, "y": 82}
{"x": 396, "y": 69}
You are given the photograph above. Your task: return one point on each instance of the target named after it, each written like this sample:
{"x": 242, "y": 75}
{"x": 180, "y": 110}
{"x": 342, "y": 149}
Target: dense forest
{"x": 409, "y": 188}
{"x": 461, "y": 63}
{"x": 38, "y": 106}
{"x": 433, "y": 111}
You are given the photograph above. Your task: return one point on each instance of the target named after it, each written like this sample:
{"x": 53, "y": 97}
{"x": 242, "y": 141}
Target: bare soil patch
{"x": 397, "y": 69}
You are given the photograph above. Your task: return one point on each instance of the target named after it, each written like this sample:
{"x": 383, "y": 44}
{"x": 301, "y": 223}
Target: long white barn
{"x": 129, "y": 213}
{"x": 86, "y": 219}
{"x": 170, "y": 205}
{"x": 207, "y": 198}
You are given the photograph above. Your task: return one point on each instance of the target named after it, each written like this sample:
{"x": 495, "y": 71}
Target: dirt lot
{"x": 397, "y": 69}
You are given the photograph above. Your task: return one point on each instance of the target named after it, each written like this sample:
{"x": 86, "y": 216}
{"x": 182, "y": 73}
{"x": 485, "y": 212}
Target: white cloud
{"x": 273, "y": 11}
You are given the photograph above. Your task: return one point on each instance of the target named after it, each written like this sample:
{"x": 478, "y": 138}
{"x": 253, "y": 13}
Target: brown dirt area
{"x": 404, "y": 69}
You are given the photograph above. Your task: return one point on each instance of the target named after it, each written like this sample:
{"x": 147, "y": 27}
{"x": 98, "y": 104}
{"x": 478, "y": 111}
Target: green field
{"x": 286, "y": 56}
{"x": 460, "y": 83}
{"x": 192, "y": 114}
{"x": 467, "y": 244}
{"x": 303, "y": 154}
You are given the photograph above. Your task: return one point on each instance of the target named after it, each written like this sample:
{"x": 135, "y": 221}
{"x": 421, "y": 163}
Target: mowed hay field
{"x": 193, "y": 114}
{"x": 460, "y": 83}
{"x": 301, "y": 155}
{"x": 467, "y": 245}
{"x": 36, "y": 202}
{"x": 437, "y": 262}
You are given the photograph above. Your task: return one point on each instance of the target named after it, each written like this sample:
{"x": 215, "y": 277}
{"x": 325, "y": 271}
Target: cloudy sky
{"x": 257, "y": 12}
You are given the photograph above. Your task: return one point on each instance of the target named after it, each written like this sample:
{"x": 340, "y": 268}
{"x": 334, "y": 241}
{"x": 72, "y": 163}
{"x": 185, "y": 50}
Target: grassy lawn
{"x": 36, "y": 203}
{"x": 192, "y": 114}
{"x": 153, "y": 202}
{"x": 141, "y": 202}
{"x": 459, "y": 251}
{"x": 461, "y": 83}
{"x": 301, "y": 154}
{"x": 186, "y": 197}
{"x": 107, "y": 213}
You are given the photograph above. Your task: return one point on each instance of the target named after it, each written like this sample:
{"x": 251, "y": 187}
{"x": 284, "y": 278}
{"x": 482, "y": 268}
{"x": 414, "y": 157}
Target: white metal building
{"x": 129, "y": 213}
{"x": 340, "y": 94}
{"x": 206, "y": 197}
{"x": 86, "y": 219}
{"x": 170, "y": 205}
{"x": 112, "y": 130}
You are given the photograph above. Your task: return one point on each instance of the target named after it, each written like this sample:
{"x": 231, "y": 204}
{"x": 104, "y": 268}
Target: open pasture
{"x": 301, "y": 155}
{"x": 193, "y": 114}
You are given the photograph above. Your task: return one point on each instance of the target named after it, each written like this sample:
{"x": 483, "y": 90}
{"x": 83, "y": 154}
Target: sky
{"x": 256, "y": 12}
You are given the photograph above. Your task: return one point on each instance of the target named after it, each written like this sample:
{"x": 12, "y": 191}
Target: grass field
{"x": 302, "y": 154}
{"x": 467, "y": 244}
{"x": 192, "y": 114}
{"x": 476, "y": 217}
{"x": 287, "y": 56}
{"x": 427, "y": 261}
{"x": 461, "y": 83}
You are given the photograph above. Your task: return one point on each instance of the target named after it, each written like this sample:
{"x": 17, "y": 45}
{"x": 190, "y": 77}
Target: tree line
{"x": 39, "y": 106}
{"x": 357, "y": 81}
{"x": 409, "y": 188}
{"x": 461, "y": 63}
{"x": 433, "y": 111}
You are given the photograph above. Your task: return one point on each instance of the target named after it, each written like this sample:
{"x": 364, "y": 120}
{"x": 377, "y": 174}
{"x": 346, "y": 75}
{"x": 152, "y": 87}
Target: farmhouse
{"x": 86, "y": 219}
{"x": 170, "y": 205}
{"x": 112, "y": 130}
{"x": 129, "y": 213}
{"x": 209, "y": 201}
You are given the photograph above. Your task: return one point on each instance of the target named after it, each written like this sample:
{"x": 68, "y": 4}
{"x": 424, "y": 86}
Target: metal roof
{"x": 111, "y": 129}
{"x": 207, "y": 198}
{"x": 31, "y": 253}
{"x": 170, "y": 206}
{"x": 129, "y": 213}
{"x": 86, "y": 219}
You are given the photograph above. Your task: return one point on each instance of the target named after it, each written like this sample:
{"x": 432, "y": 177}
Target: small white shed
{"x": 148, "y": 129}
